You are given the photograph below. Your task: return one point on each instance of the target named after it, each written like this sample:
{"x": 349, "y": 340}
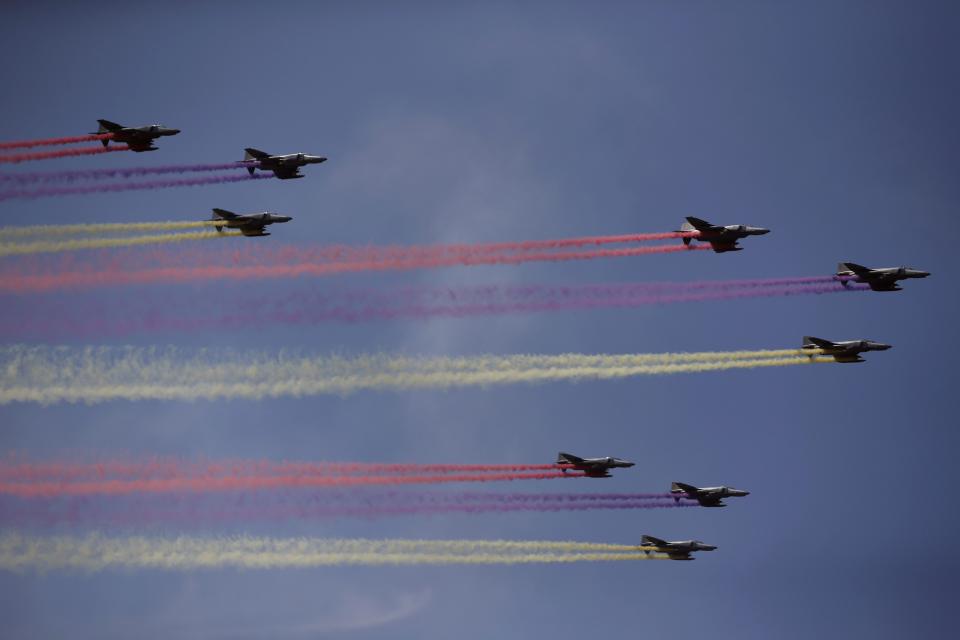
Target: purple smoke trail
{"x": 236, "y": 308}
{"x": 133, "y": 186}
{"x": 105, "y": 174}
{"x": 194, "y": 510}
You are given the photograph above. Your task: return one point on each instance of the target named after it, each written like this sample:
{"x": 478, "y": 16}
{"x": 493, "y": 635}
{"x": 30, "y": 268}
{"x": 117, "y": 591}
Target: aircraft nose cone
{"x": 760, "y": 231}
{"x": 173, "y": 132}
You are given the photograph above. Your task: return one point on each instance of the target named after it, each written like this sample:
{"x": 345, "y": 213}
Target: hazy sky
{"x": 832, "y": 123}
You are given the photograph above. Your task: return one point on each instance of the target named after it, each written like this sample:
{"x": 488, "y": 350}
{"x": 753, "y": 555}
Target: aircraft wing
{"x": 253, "y": 231}
{"x": 818, "y": 342}
{"x": 848, "y": 358}
{"x": 286, "y": 173}
{"x": 723, "y": 247}
{"x": 883, "y": 284}
{"x": 139, "y": 144}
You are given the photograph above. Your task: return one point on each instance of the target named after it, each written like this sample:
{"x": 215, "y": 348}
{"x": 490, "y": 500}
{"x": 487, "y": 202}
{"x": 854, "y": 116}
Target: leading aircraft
{"x": 285, "y": 167}
{"x": 250, "y": 224}
{"x": 722, "y": 239}
{"x": 706, "y": 496}
{"x": 677, "y": 550}
{"x": 884, "y": 279}
{"x": 137, "y": 138}
{"x": 592, "y": 467}
{"x": 848, "y": 351}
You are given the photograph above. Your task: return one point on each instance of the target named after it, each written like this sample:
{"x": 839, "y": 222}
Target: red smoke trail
{"x": 167, "y": 469}
{"x": 49, "y": 142}
{"x": 119, "y": 275}
{"x": 63, "y": 153}
{"x": 247, "y": 483}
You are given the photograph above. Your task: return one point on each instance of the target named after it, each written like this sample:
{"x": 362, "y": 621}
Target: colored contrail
{"x": 98, "y": 553}
{"x": 14, "y": 233}
{"x": 122, "y": 172}
{"x": 191, "y": 509}
{"x": 238, "y": 308}
{"x": 25, "y": 471}
{"x": 57, "y": 246}
{"x": 127, "y": 186}
{"x": 49, "y": 142}
{"x": 62, "y": 153}
{"x": 118, "y": 276}
{"x": 48, "y": 375}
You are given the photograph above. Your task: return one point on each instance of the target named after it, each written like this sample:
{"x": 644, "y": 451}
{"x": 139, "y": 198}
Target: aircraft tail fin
{"x": 568, "y": 458}
{"x": 851, "y": 266}
{"x": 254, "y": 154}
{"x": 809, "y": 342}
{"x": 679, "y": 487}
{"x": 108, "y": 127}
{"x": 696, "y": 224}
{"x": 223, "y": 214}
{"x": 650, "y": 541}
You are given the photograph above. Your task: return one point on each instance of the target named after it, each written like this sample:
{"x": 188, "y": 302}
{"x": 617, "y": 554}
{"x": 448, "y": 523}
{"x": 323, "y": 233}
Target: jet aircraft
{"x": 137, "y": 138}
{"x": 706, "y": 496}
{"x": 285, "y": 167}
{"x": 677, "y": 550}
{"x": 884, "y": 279}
{"x": 848, "y": 351}
{"x": 250, "y": 224}
{"x": 592, "y": 467}
{"x": 722, "y": 239}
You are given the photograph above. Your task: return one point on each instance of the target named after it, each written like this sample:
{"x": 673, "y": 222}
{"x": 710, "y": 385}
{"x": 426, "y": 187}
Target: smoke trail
{"x": 198, "y": 510}
{"x": 98, "y": 553}
{"x": 49, "y": 142}
{"x": 138, "y": 313}
{"x": 14, "y": 233}
{"x": 124, "y": 172}
{"x": 18, "y": 249}
{"x": 248, "y": 483}
{"x": 62, "y": 153}
{"x": 119, "y": 276}
{"x": 24, "y": 471}
{"x": 131, "y": 186}
{"x": 47, "y": 375}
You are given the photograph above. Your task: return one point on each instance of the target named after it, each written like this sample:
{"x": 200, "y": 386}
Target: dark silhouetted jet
{"x": 678, "y": 550}
{"x": 592, "y": 467}
{"x": 284, "y": 167}
{"x": 706, "y": 496}
{"x": 250, "y": 224}
{"x": 879, "y": 279}
{"x": 137, "y": 138}
{"x": 722, "y": 239}
{"x": 848, "y": 351}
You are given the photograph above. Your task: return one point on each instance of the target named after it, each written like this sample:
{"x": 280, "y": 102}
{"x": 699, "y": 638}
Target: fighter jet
{"x": 722, "y": 239}
{"x": 592, "y": 467}
{"x": 879, "y": 279}
{"x": 137, "y": 138}
{"x": 844, "y": 351}
{"x": 250, "y": 224}
{"x": 678, "y": 550}
{"x": 707, "y": 496}
{"x": 284, "y": 167}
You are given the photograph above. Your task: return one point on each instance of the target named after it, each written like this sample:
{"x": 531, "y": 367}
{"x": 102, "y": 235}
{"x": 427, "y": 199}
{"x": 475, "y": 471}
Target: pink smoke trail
{"x": 49, "y": 142}
{"x": 62, "y": 153}
{"x": 118, "y": 276}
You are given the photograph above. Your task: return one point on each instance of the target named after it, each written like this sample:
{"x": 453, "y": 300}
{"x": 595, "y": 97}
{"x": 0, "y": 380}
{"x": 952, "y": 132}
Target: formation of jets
{"x": 722, "y": 239}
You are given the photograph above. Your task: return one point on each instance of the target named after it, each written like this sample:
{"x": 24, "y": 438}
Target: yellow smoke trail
{"x": 56, "y": 246}
{"x": 96, "y": 374}
{"x": 13, "y": 233}
{"x": 97, "y": 553}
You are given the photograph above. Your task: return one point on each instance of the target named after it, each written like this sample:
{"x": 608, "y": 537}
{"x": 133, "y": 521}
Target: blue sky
{"x": 832, "y": 123}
